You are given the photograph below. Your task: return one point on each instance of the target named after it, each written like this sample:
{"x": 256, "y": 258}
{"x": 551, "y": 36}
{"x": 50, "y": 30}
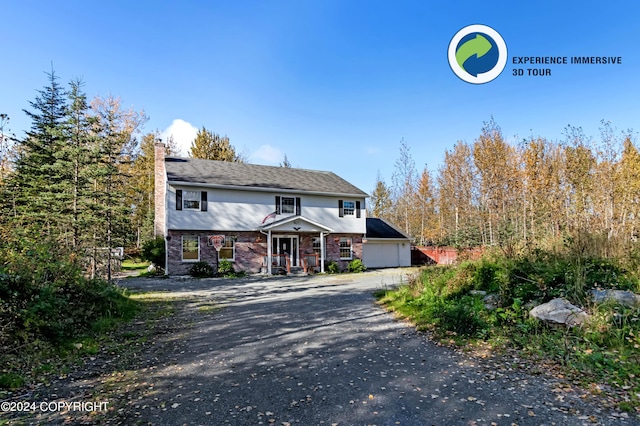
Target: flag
{"x": 269, "y": 216}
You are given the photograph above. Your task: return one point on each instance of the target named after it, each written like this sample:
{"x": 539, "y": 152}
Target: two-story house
{"x": 261, "y": 218}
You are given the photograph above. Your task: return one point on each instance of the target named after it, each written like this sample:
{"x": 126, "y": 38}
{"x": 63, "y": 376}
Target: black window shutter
{"x": 178, "y": 199}
{"x": 203, "y": 201}
{"x": 340, "y": 209}
{"x": 358, "y": 209}
{"x": 277, "y": 204}
{"x": 298, "y": 207}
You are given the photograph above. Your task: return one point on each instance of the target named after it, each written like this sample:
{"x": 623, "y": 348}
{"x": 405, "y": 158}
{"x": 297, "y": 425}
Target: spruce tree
{"x": 38, "y": 182}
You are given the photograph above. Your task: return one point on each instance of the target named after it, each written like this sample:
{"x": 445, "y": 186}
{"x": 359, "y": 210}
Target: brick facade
{"x": 250, "y": 249}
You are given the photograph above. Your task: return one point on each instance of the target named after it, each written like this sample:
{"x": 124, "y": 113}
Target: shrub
{"x": 356, "y": 265}
{"x": 154, "y": 251}
{"x": 225, "y": 268}
{"x": 201, "y": 270}
{"x": 332, "y": 267}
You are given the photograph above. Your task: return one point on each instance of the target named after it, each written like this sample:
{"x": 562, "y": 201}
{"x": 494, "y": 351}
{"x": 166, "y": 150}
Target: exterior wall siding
{"x": 237, "y": 210}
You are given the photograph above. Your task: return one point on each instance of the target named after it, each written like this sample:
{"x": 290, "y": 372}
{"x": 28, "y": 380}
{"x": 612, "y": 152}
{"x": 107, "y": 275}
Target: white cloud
{"x": 269, "y": 155}
{"x": 183, "y": 134}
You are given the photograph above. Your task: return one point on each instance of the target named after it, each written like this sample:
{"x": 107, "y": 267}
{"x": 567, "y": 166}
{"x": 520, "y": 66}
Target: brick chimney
{"x": 160, "y": 185}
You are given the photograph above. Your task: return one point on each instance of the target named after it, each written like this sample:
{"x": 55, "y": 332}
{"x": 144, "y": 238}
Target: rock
{"x": 151, "y": 269}
{"x": 626, "y": 298}
{"x": 491, "y": 301}
{"x": 559, "y": 311}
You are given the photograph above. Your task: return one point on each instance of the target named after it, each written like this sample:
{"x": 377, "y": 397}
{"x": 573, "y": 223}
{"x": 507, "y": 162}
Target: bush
{"x": 333, "y": 268}
{"x": 201, "y": 270}
{"x": 154, "y": 251}
{"x": 356, "y": 265}
{"x": 225, "y": 268}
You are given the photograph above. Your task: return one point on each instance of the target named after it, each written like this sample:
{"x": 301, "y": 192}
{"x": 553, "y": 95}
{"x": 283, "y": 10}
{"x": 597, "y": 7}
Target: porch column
{"x": 269, "y": 254}
{"x": 321, "y": 252}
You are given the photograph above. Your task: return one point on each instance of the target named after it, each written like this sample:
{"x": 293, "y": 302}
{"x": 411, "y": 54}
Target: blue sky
{"x": 334, "y": 85}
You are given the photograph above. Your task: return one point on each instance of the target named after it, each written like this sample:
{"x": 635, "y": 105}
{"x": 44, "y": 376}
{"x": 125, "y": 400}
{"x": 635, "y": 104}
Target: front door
{"x": 286, "y": 246}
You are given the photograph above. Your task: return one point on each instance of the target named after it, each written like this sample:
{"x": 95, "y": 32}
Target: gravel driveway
{"x": 317, "y": 351}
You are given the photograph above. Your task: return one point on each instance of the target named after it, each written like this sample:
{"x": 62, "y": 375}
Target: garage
{"x": 384, "y": 246}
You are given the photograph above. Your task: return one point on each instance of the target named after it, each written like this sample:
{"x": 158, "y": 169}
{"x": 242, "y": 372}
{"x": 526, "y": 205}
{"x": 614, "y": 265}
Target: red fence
{"x": 441, "y": 255}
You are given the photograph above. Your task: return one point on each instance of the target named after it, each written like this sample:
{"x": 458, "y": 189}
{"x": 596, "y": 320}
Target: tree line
{"x": 81, "y": 180}
{"x": 537, "y": 193}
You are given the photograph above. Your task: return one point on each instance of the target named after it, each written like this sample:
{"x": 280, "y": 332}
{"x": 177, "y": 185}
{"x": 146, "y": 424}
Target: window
{"x": 190, "y": 248}
{"x": 228, "y": 250}
{"x": 349, "y": 208}
{"x": 191, "y": 200}
{"x": 288, "y": 205}
{"x": 317, "y": 248}
{"x": 345, "y": 248}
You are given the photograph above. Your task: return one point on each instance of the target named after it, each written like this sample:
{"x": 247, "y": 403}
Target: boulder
{"x": 626, "y": 298}
{"x": 559, "y": 311}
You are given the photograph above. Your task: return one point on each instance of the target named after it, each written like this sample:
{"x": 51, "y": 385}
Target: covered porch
{"x": 294, "y": 244}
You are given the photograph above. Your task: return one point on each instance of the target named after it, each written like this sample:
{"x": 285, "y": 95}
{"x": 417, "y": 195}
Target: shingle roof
{"x": 222, "y": 173}
{"x": 378, "y": 228}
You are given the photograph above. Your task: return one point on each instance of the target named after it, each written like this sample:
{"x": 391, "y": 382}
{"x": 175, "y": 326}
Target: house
{"x": 261, "y": 218}
{"x": 385, "y": 246}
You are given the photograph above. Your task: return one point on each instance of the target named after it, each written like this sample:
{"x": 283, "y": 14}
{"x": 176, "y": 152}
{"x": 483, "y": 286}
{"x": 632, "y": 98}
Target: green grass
{"x": 130, "y": 265}
{"x": 604, "y": 350}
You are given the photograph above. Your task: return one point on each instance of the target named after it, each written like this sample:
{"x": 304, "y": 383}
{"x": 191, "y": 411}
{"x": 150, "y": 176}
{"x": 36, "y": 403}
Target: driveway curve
{"x": 318, "y": 351}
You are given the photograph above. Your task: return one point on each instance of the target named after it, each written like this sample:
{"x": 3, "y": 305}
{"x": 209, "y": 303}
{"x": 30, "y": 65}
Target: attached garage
{"x": 384, "y": 246}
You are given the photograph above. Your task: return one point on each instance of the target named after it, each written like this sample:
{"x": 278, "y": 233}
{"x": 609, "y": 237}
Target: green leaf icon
{"x": 476, "y": 46}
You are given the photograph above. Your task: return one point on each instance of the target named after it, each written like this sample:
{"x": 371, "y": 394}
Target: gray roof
{"x": 253, "y": 176}
{"x": 378, "y": 228}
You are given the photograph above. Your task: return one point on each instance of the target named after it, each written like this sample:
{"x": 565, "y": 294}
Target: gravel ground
{"x": 318, "y": 351}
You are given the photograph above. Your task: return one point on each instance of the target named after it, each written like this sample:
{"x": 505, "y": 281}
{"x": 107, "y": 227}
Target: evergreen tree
{"x": 381, "y": 203}
{"x": 212, "y": 146}
{"x": 115, "y": 129}
{"x": 285, "y": 163}
{"x": 38, "y": 183}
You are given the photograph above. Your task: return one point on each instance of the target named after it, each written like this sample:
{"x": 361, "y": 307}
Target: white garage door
{"x": 385, "y": 255}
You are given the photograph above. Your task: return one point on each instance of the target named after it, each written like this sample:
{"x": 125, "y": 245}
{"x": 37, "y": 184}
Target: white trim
{"x": 286, "y": 220}
{"x": 344, "y": 208}
{"x": 182, "y": 249}
{"x": 297, "y": 244}
{"x": 233, "y": 248}
{"x": 350, "y": 239}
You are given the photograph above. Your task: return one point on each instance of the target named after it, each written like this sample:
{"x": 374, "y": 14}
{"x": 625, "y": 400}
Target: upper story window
{"x": 349, "y": 208}
{"x": 288, "y": 205}
{"x": 191, "y": 200}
